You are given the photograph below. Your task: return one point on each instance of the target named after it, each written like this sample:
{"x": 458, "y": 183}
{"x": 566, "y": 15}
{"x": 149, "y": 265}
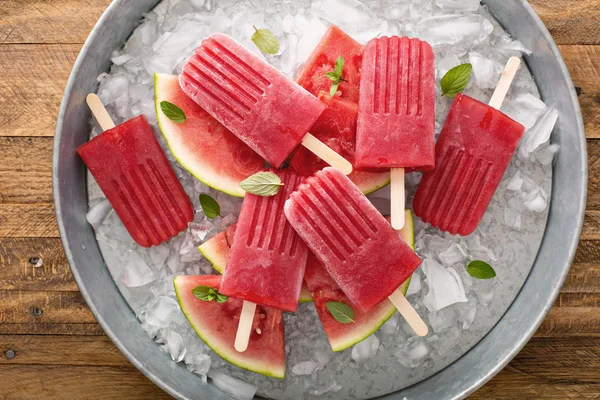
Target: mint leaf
{"x": 266, "y": 42}
{"x": 210, "y": 206}
{"x": 333, "y": 76}
{"x": 262, "y": 184}
{"x": 336, "y": 76}
{"x": 206, "y": 293}
{"x": 341, "y": 312}
{"x": 173, "y": 112}
{"x": 334, "y": 88}
{"x": 221, "y": 298}
{"x": 339, "y": 66}
{"x": 480, "y": 270}
{"x": 455, "y": 81}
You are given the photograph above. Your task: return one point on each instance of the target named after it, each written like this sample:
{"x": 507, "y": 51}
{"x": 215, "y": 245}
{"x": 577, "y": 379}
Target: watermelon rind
{"x": 234, "y": 357}
{"x": 201, "y": 171}
{"x": 372, "y": 185}
{"x": 383, "y": 311}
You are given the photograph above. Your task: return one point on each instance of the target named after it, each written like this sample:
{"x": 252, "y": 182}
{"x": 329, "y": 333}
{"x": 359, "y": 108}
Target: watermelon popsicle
{"x": 472, "y": 153}
{"x": 267, "y": 258}
{"x": 396, "y": 112}
{"x": 358, "y": 247}
{"x": 267, "y": 111}
{"x": 136, "y": 178}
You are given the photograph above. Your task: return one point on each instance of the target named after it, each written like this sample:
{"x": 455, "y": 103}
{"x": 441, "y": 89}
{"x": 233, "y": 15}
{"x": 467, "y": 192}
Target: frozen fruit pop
{"x": 472, "y": 153}
{"x": 136, "y": 178}
{"x": 267, "y": 111}
{"x": 360, "y": 250}
{"x": 396, "y": 112}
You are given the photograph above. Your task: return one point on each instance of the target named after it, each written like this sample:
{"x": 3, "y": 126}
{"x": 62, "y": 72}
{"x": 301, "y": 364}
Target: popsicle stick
{"x": 505, "y": 81}
{"x": 326, "y": 154}
{"x": 409, "y": 313}
{"x": 100, "y": 113}
{"x": 242, "y": 336}
{"x": 397, "y": 198}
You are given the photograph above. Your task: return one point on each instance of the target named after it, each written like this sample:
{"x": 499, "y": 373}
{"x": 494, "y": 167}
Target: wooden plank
{"x": 30, "y": 307}
{"x": 573, "y": 314}
{"x": 26, "y": 170}
{"x": 88, "y": 329}
{"x": 591, "y": 224}
{"x": 570, "y": 21}
{"x": 28, "y": 105}
{"x": 49, "y": 21}
{"x": 18, "y": 273}
{"x": 25, "y": 382}
{"x": 61, "y": 350}
{"x": 28, "y": 220}
{"x": 593, "y": 148}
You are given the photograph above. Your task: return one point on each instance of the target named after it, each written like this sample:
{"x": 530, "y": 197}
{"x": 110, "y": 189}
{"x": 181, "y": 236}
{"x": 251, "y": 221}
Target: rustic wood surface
{"x": 62, "y": 353}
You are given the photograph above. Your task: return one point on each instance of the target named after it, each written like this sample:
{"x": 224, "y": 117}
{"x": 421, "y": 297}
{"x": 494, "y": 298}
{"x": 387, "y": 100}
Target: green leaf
{"x": 334, "y": 88}
{"x": 202, "y": 292}
{"x": 266, "y": 42}
{"x": 173, "y": 112}
{"x": 221, "y": 298}
{"x": 456, "y": 80}
{"x": 262, "y": 184}
{"x": 210, "y": 206}
{"x": 341, "y": 312}
{"x": 480, "y": 270}
{"x": 339, "y": 66}
{"x": 333, "y": 76}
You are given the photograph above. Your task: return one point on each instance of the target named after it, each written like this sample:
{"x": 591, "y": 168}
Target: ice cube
{"x": 137, "y": 272}
{"x": 304, "y": 368}
{"x": 96, "y": 215}
{"x": 509, "y": 45}
{"x": 161, "y": 312}
{"x": 443, "y": 319}
{"x": 330, "y": 387}
{"x": 198, "y": 363}
{"x": 512, "y": 218}
{"x": 414, "y": 286}
{"x": 515, "y": 183}
{"x": 112, "y": 87}
{"x": 121, "y": 59}
{"x": 448, "y": 342}
{"x": 220, "y": 22}
{"x": 447, "y": 63}
{"x": 445, "y": 286}
{"x": 234, "y": 387}
{"x": 485, "y": 70}
{"x": 174, "y": 264}
{"x": 539, "y": 133}
{"x": 536, "y": 200}
{"x": 526, "y": 109}
{"x": 466, "y": 313}
{"x": 453, "y": 255}
{"x": 414, "y": 351}
{"x": 158, "y": 255}
{"x": 174, "y": 345}
{"x": 366, "y": 349}
{"x": 478, "y": 250}
{"x": 399, "y": 11}
{"x": 310, "y": 39}
{"x": 198, "y": 4}
{"x": 545, "y": 153}
{"x": 391, "y": 325}
{"x": 458, "y": 5}
{"x": 454, "y": 29}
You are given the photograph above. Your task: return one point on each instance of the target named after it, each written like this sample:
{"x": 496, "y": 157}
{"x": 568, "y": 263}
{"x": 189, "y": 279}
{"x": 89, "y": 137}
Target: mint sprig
{"x": 456, "y": 80}
{"x": 480, "y": 270}
{"x": 172, "y": 112}
{"x": 341, "y": 312}
{"x": 336, "y": 76}
{"x": 211, "y": 208}
{"x": 265, "y": 40}
{"x": 262, "y": 184}
{"x": 206, "y": 293}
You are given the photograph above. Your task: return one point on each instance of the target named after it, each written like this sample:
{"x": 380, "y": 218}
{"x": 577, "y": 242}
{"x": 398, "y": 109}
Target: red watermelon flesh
{"x": 216, "y": 324}
{"x": 335, "y": 43}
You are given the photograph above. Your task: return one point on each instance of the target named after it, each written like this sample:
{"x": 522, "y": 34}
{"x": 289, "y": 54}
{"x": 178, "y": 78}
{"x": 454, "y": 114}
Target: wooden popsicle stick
{"x": 326, "y": 154}
{"x": 242, "y": 336}
{"x": 409, "y": 313}
{"x": 505, "y": 81}
{"x": 397, "y": 198}
{"x": 100, "y": 113}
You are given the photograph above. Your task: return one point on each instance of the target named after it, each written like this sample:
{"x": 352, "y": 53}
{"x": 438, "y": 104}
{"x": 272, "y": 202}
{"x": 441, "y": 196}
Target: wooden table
{"x": 50, "y": 344}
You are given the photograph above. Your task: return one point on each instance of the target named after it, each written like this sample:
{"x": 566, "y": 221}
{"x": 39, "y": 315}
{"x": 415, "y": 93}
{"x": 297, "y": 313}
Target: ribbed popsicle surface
{"x": 269, "y": 112}
{"x": 472, "y": 154}
{"x": 137, "y": 179}
{"x": 357, "y": 246}
{"x": 267, "y": 259}
{"x": 397, "y": 105}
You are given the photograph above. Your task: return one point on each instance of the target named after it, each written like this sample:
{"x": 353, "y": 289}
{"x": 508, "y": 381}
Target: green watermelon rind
{"x": 249, "y": 366}
{"x": 218, "y": 182}
{"x": 210, "y": 251}
{"x": 386, "y": 313}
{"x": 378, "y": 185}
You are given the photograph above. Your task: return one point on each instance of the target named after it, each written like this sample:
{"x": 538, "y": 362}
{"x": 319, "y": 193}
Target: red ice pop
{"x": 396, "y": 115}
{"x": 267, "y": 111}
{"x": 136, "y": 178}
{"x": 472, "y": 153}
{"x": 358, "y": 247}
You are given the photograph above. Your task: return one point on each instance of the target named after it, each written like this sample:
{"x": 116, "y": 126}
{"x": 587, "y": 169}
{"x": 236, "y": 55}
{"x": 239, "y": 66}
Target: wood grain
{"x": 570, "y": 21}
{"x": 49, "y": 21}
{"x": 76, "y": 329}
{"x": 29, "y": 382}
{"x": 27, "y": 220}
{"x": 32, "y": 81}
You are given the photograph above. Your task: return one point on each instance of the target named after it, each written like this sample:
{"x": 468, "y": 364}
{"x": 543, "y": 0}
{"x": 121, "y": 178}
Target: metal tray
{"x": 464, "y": 376}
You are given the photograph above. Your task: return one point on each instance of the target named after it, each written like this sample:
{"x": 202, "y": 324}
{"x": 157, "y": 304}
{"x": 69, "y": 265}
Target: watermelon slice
{"x": 203, "y": 146}
{"x": 216, "y": 250}
{"x": 324, "y": 290}
{"x": 216, "y": 324}
{"x": 336, "y": 127}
